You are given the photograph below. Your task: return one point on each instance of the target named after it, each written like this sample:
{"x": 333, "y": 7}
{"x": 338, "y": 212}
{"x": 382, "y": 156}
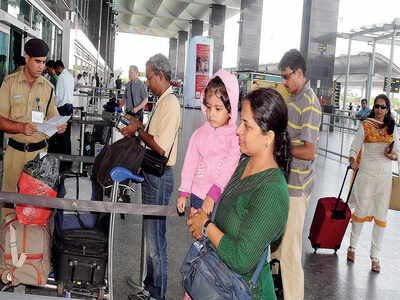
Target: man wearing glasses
{"x": 365, "y": 110}
{"x": 160, "y": 134}
{"x": 304, "y": 118}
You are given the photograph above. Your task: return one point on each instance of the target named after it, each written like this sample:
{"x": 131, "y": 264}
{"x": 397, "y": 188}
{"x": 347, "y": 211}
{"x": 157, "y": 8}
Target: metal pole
{"x": 98, "y": 41}
{"x": 106, "y": 76}
{"x": 347, "y": 73}
{"x": 389, "y": 77}
{"x": 371, "y": 71}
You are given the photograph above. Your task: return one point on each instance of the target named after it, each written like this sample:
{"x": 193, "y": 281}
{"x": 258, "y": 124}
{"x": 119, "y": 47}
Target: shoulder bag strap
{"x": 133, "y": 103}
{"x": 257, "y": 272}
{"x": 78, "y": 216}
{"x": 151, "y": 117}
{"x": 48, "y": 102}
{"x": 260, "y": 265}
{"x": 170, "y": 150}
{"x": 14, "y": 251}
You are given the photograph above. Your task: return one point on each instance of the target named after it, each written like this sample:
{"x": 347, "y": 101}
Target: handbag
{"x": 395, "y": 197}
{"x": 127, "y": 153}
{"x": 206, "y": 276}
{"x": 154, "y": 163}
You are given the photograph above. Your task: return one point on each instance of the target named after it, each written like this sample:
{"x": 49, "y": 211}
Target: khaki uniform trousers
{"x": 290, "y": 250}
{"x": 14, "y": 161}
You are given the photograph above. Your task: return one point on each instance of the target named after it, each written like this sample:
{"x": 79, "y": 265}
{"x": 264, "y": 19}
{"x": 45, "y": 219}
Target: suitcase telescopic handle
{"x": 341, "y": 189}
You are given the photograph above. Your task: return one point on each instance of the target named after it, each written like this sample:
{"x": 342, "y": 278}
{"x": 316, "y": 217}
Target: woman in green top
{"x": 254, "y": 206}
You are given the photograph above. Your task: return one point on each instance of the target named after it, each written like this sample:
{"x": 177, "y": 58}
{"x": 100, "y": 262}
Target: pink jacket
{"x": 213, "y": 153}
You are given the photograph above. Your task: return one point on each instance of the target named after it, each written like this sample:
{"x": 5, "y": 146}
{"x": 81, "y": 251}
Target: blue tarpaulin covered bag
{"x": 76, "y": 220}
{"x": 206, "y": 276}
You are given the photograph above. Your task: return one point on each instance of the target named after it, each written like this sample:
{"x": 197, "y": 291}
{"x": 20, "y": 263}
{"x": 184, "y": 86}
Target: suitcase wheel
{"x": 60, "y": 289}
{"x": 316, "y": 247}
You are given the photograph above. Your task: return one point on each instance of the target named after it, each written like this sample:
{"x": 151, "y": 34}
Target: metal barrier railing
{"x": 336, "y": 127}
{"x": 336, "y": 135}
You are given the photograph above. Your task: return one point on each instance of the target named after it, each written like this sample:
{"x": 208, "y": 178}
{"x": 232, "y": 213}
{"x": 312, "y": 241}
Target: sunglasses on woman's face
{"x": 381, "y": 106}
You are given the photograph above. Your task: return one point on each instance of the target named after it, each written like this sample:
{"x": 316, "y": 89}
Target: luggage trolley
{"x": 117, "y": 174}
{"x": 102, "y": 289}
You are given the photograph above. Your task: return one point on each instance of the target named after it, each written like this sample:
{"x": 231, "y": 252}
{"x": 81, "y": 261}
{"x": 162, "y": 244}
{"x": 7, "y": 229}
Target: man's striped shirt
{"x": 304, "y": 120}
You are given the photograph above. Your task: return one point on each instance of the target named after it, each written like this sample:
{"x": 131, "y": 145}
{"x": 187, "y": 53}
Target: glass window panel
{"x": 3, "y": 55}
{"x": 12, "y": 7}
{"x": 4, "y": 4}
{"x": 53, "y": 41}
{"x": 46, "y": 31}
{"x": 37, "y": 20}
{"x": 25, "y": 12}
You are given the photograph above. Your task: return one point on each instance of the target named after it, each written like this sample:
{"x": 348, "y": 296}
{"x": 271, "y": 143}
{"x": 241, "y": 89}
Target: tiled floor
{"x": 327, "y": 275}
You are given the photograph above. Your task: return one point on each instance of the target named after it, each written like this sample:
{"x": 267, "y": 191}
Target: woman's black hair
{"x": 217, "y": 85}
{"x": 270, "y": 113}
{"x": 388, "y": 120}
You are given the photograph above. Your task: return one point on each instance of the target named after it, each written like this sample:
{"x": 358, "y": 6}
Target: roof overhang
{"x": 164, "y": 18}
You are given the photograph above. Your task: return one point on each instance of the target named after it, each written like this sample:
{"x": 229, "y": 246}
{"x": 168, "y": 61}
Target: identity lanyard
{"x": 37, "y": 115}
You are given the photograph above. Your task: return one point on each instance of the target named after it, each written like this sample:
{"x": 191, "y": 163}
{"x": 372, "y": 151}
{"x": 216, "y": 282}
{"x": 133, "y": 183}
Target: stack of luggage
{"x": 79, "y": 252}
{"x": 25, "y": 235}
{"x": 80, "y": 257}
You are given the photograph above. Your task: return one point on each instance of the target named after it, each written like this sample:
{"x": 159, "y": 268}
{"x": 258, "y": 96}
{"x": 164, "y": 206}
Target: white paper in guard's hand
{"x": 49, "y": 127}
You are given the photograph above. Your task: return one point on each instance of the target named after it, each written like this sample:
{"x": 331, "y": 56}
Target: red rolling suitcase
{"x": 330, "y": 221}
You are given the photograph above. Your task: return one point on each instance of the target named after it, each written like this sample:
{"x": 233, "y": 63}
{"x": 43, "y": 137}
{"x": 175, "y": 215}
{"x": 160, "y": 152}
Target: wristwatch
{"x": 204, "y": 230}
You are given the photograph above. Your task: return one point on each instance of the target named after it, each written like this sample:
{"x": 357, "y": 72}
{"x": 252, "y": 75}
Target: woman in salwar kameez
{"x": 373, "y": 184}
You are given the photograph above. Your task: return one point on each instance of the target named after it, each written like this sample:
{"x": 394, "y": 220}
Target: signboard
{"x": 395, "y": 85}
{"x": 198, "y": 69}
{"x": 202, "y": 68}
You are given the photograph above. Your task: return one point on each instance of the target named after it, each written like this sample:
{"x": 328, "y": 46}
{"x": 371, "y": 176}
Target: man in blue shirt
{"x": 61, "y": 143}
{"x": 364, "y": 111}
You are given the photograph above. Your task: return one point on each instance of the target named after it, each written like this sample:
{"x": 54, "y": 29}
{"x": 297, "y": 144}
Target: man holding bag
{"x": 27, "y": 99}
{"x": 161, "y": 136}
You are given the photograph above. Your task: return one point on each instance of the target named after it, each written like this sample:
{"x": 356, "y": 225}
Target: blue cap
{"x": 37, "y": 100}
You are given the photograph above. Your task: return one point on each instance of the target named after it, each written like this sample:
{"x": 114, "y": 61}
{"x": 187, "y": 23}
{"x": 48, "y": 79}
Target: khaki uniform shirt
{"x": 18, "y": 99}
{"x": 164, "y": 124}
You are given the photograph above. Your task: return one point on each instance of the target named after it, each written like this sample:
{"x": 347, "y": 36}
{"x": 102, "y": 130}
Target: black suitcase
{"x": 80, "y": 257}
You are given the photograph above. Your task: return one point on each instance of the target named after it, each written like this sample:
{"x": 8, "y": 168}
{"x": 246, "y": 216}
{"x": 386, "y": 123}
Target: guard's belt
{"x": 27, "y": 147}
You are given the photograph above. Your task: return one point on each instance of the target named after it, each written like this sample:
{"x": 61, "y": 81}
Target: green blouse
{"x": 252, "y": 213}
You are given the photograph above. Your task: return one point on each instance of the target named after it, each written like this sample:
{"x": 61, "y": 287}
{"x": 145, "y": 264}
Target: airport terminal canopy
{"x": 165, "y": 18}
{"x": 375, "y": 33}
{"x": 359, "y": 66}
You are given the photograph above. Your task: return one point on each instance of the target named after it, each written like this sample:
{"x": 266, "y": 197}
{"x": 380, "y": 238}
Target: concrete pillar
{"x": 111, "y": 48}
{"x": 197, "y": 28}
{"x": 173, "y": 44}
{"x": 181, "y": 59}
{"x": 217, "y": 33}
{"x": 105, "y": 21}
{"x": 66, "y": 41}
{"x": 250, "y": 34}
{"x": 94, "y": 21}
{"x": 318, "y": 42}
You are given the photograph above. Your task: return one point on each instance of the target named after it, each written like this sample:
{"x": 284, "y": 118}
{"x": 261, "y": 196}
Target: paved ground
{"x": 327, "y": 275}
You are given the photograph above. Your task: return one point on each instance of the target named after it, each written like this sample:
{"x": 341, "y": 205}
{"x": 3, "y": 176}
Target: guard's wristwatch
{"x": 204, "y": 230}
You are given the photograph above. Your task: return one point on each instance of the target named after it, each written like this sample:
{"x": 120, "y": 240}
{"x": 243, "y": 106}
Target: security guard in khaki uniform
{"x": 24, "y": 103}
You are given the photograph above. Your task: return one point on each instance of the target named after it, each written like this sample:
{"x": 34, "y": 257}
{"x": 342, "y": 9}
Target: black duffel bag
{"x": 127, "y": 153}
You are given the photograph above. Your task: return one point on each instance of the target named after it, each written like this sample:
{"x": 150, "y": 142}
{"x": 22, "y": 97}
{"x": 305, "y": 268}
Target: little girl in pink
{"x": 213, "y": 151}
